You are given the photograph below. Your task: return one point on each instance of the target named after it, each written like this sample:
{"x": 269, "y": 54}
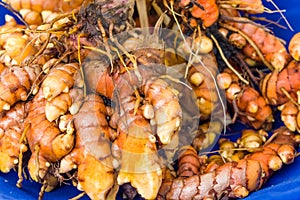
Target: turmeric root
{"x": 213, "y": 162}
{"x": 15, "y": 85}
{"x": 64, "y": 102}
{"x": 276, "y": 85}
{"x": 137, "y": 142}
{"x": 280, "y": 88}
{"x": 56, "y": 5}
{"x": 201, "y": 80}
{"x": 227, "y": 148}
{"x": 251, "y": 139}
{"x": 62, "y": 95}
{"x": 136, "y": 138}
{"x": 16, "y": 44}
{"x": 102, "y": 80}
{"x": 126, "y": 80}
{"x": 207, "y": 135}
{"x": 11, "y": 141}
{"x": 59, "y": 80}
{"x": 138, "y": 128}
{"x": 294, "y": 46}
{"x": 235, "y": 179}
{"x": 206, "y": 12}
{"x": 92, "y": 154}
{"x": 189, "y": 162}
{"x": 251, "y": 107}
{"x": 32, "y": 11}
{"x": 290, "y": 115}
{"x": 46, "y": 148}
{"x": 166, "y": 107}
{"x": 270, "y": 47}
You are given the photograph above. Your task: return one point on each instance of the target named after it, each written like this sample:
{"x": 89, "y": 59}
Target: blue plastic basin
{"x": 284, "y": 184}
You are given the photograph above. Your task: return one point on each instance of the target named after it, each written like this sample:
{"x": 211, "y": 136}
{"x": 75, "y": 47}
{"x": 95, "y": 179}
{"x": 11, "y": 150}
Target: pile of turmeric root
{"x": 131, "y": 96}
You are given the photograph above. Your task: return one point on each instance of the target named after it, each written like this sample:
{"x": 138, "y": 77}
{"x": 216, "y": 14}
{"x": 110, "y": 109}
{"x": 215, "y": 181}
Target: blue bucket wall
{"x": 284, "y": 184}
